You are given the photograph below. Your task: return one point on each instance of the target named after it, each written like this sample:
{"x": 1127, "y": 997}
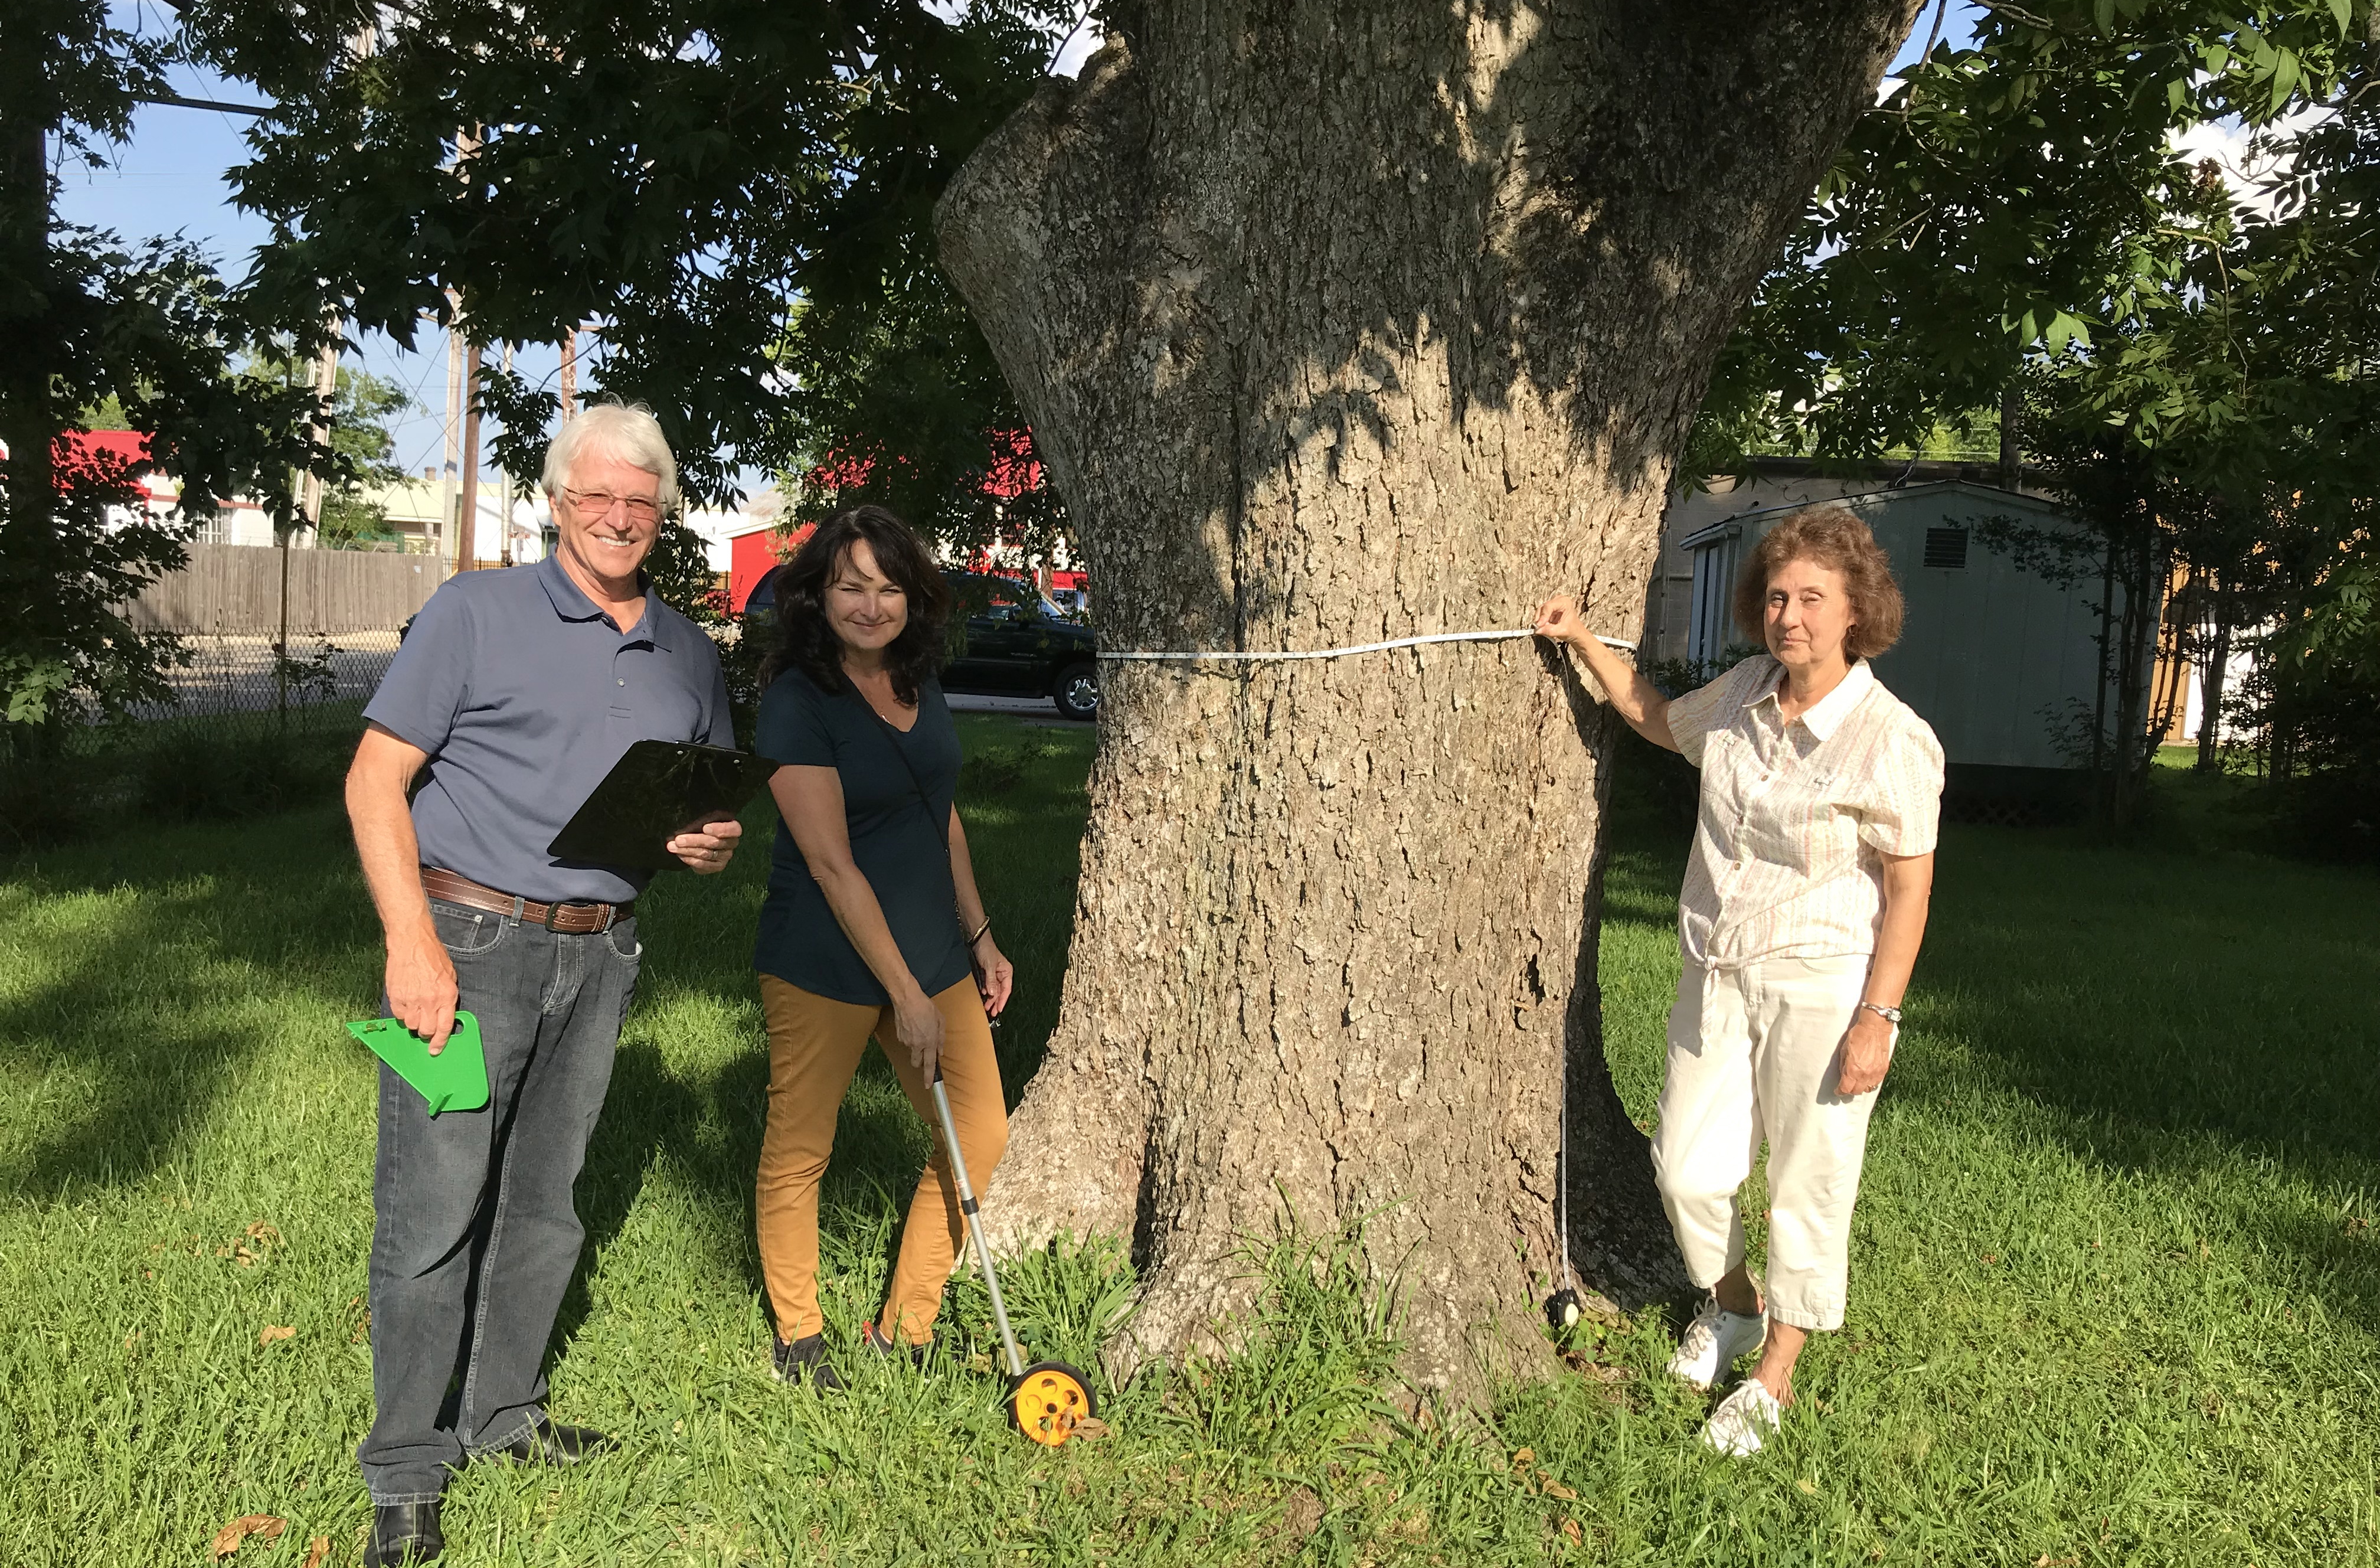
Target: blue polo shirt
{"x": 524, "y": 694}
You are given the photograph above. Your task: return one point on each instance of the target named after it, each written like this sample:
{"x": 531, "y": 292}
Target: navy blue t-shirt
{"x": 897, "y": 790}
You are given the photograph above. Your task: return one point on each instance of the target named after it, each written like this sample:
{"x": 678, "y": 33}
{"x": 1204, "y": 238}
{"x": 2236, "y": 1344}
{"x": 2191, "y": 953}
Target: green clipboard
{"x": 455, "y": 1079}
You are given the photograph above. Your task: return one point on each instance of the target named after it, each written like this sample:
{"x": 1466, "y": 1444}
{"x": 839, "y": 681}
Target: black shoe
{"x": 547, "y": 1443}
{"x": 403, "y": 1532}
{"x": 920, "y": 1355}
{"x": 803, "y": 1361}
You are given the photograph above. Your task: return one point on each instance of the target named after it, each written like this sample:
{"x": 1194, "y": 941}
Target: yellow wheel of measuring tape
{"x": 1048, "y": 1402}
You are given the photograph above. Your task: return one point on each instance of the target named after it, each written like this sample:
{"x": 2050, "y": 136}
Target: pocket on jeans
{"x": 625, "y": 931}
{"x": 467, "y": 933}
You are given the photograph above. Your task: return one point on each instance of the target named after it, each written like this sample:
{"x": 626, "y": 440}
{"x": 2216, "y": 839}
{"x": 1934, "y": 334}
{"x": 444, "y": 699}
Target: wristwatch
{"x": 1889, "y": 1014}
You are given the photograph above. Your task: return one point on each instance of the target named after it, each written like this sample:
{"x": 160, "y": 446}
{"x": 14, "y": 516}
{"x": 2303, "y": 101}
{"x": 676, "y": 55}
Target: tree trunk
{"x": 28, "y": 425}
{"x": 2214, "y": 671}
{"x": 2011, "y": 463}
{"x": 1336, "y": 324}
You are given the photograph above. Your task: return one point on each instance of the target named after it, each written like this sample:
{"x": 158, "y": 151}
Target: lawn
{"x": 2116, "y": 1291}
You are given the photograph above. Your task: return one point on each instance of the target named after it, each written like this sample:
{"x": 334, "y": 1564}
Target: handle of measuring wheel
{"x": 975, "y": 1224}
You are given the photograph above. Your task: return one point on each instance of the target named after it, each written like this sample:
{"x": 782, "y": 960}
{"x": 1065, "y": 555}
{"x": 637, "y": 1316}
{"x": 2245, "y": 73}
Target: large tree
{"x": 87, "y": 322}
{"x": 1340, "y": 322}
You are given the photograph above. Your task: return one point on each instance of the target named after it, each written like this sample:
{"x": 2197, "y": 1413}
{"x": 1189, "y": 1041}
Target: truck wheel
{"x": 1076, "y": 692}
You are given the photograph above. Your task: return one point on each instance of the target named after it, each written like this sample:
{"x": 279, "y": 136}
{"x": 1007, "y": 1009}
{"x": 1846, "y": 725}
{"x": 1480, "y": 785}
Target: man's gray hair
{"x": 625, "y": 431}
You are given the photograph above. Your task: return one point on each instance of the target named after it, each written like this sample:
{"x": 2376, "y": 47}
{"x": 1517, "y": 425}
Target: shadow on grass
{"x": 164, "y": 961}
{"x": 2167, "y": 1003}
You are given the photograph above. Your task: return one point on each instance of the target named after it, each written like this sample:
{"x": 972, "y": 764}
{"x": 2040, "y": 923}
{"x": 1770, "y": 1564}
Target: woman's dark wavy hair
{"x": 805, "y": 640}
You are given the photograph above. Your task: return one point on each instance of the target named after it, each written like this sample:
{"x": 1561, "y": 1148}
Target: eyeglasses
{"x": 598, "y": 504}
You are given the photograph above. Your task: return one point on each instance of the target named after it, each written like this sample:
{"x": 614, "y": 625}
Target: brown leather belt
{"x": 570, "y": 919}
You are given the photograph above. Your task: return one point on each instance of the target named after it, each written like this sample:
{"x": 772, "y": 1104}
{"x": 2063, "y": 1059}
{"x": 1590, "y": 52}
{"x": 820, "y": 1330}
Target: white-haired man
{"x": 513, "y": 696}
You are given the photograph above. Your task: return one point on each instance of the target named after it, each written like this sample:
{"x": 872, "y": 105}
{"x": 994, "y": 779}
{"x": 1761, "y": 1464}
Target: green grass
{"x": 2116, "y": 1291}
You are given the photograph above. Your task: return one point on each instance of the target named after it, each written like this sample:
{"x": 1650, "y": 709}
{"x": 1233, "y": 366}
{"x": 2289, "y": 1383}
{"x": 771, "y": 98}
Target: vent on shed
{"x": 1945, "y": 547}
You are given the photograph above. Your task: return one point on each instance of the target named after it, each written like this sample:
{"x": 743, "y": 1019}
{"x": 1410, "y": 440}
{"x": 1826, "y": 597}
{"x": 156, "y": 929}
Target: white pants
{"x": 1753, "y": 1054}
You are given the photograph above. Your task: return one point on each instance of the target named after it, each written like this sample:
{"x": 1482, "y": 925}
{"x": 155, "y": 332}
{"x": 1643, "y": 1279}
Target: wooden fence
{"x": 235, "y": 589}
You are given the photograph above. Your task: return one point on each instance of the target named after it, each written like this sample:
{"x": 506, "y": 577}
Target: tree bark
{"x": 1339, "y": 323}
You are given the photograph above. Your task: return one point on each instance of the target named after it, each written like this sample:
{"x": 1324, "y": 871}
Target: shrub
{"x": 45, "y": 802}
{"x": 193, "y": 774}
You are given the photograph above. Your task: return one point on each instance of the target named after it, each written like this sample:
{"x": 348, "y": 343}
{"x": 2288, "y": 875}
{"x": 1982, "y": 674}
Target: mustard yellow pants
{"x": 814, "y": 1047}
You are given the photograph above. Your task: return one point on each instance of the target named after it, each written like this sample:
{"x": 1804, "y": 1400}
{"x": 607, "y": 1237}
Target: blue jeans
{"x": 476, "y": 1237}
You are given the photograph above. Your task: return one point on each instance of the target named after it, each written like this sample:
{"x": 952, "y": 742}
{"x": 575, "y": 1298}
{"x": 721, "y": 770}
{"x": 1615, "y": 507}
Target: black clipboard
{"x": 657, "y": 790}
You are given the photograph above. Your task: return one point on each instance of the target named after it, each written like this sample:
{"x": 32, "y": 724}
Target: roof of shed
{"x": 1733, "y": 527}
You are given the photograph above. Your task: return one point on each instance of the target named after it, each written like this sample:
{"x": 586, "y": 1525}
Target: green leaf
{"x": 2340, "y": 12}
{"x": 31, "y": 683}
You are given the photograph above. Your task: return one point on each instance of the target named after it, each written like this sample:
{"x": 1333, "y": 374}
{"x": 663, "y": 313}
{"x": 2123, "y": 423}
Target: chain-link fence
{"x": 249, "y": 729}
{"x": 240, "y": 681}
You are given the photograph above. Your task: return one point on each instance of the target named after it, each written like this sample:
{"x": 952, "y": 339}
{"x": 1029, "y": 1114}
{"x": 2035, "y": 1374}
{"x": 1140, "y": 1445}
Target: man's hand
{"x": 1867, "y": 1052}
{"x": 710, "y": 850}
{"x": 421, "y": 981}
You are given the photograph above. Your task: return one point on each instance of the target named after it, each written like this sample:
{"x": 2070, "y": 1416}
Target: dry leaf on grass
{"x": 1552, "y": 1487}
{"x": 263, "y": 1526}
{"x": 1523, "y": 1459}
{"x": 2045, "y": 1561}
{"x": 1091, "y": 1428}
{"x": 1570, "y": 1529}
{"x": 275, "y": 1333}
{"x": 318, "y": 1550}
{"x": 1809, "y": 1486}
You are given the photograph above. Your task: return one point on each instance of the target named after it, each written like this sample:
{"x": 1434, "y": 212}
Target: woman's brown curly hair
{"x": 1834, "y": 538}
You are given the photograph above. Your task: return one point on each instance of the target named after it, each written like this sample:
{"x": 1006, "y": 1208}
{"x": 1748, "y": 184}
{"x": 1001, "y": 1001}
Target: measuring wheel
{"x": 1048, "y": 1401}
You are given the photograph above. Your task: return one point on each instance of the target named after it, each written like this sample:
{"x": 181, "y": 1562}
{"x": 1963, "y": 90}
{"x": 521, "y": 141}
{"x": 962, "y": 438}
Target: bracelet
{"x": 1889, "y": 1014}
{"x": 979, "y": 930}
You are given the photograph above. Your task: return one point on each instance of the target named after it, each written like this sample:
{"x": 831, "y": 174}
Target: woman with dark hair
{"x": 1803, "y": 907}
{"x": 872, "y": 925}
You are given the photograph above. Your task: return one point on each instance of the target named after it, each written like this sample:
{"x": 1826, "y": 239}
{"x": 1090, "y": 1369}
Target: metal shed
{"x": 1992, "y": 655}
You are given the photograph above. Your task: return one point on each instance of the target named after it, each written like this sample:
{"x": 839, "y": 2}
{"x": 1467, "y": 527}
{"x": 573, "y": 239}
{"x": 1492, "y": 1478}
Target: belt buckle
{"x": 551, "y": 911}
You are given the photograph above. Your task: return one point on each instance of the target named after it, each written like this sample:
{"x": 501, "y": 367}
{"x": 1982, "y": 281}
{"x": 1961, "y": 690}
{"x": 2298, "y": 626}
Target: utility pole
{"x": 468, "y": 522}
{"x": 452, "y": 467}
{"x": 569, "y": 374}
{"x": 326, "y": 387}
{"x": 504, "y": 540}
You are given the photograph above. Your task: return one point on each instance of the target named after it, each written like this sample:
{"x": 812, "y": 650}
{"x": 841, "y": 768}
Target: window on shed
{"x": 1945, "y": 547}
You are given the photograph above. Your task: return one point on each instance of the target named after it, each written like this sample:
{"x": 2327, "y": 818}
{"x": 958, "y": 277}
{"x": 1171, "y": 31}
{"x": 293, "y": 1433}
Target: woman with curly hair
{"x": 872, "y": 925}
{"x": 1803, "y": 907}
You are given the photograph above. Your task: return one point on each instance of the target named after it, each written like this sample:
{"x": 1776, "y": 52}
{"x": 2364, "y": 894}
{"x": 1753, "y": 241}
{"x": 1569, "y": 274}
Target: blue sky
{"x": 169, "y": 179}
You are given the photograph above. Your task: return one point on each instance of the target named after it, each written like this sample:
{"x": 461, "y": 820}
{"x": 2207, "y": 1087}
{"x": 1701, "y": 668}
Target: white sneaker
{"x": 1714, "y": 1342}
{"x": 1743, "y": 1419}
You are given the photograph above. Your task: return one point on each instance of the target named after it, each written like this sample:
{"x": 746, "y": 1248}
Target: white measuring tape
{"x": 1202, "y": 657}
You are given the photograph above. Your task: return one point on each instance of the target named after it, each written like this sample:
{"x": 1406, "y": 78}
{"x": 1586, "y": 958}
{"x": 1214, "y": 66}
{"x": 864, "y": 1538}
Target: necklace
{"x": 865, "y": 687}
